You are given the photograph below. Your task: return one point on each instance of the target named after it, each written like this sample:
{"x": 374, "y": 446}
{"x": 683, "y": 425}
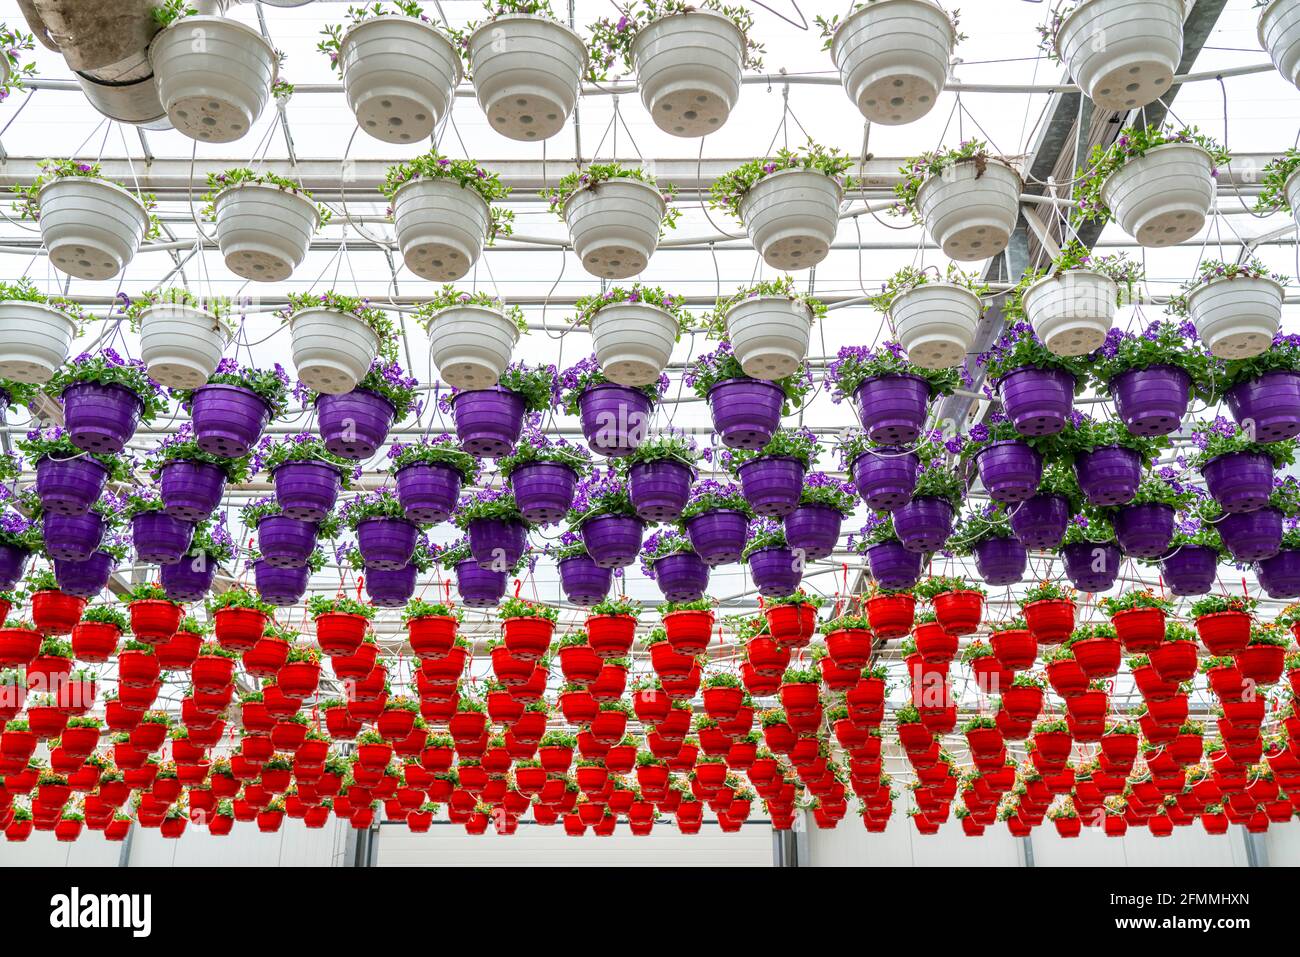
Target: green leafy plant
{"x": 465, "y": 172}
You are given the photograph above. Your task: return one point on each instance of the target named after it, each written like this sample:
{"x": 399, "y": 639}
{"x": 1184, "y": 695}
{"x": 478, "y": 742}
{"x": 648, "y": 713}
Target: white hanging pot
{"x": 1122, "y": 53}
{"x": 769, "y": 335}
{"x": 332, "y": 350}
{"x": 688, "y": 68}
{"x": 1236, "y": 318}
{"x": 791, "y": 217}
{"x": 35, "y": 339}
{"x": 181, "y": 345}
{"x": 441, "y": 227}
{"x": 968, "y": 211}
{"x": 1163, "y": 197}
{"x": 399, "y": 75}
{"x": 893, "y": 58}
{"x": 1072, "y": 311}
{"x": 214, "y": 76}
{"x": 634, "y": 341}
{"x": 615, "y": 225}
{"x": 936, "y": 324}
{"x": 526, "y": 72}
{"x": 471, "y": 345}
{"x": 263, "y": 231}
{"x": 1279, "y": 34}
{"x": 90, "y": 227}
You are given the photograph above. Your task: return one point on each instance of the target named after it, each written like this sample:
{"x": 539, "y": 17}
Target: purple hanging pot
{"x": 584, "y": 582}
{"x": 1271, "y": 401}
{"x": 306, "y": 490}
{"x": 746, "y": 412}
{"x": 479, "y": 587}
{"x": 923, "y": 524}
{"x": 612, "y": 541}
{"x": 1190, "y": 570}
{"x": 776, "y": 571}
{"x": 543, "y": 491}
{"x": 191, "y": 491}
{"x": 772, "y": 486}
{"x": 813, "y": 530}
{"x": 386, "y": 542}
{"x": 1144, "y": 531}
{"x": 1280, "y": 575}
{"x": 615, "y": 418}
{"x": 189, "y": 579}
{"x": 390, "y": 588}
{"x": 1001, "y": 561}
{"x": 73, "y": 538}
{"x": 280, "y": 585}
{"x": 100, "y": 418}
{"x": 1091, "y": 566}
{"x": 13, "y": 562}
{"x": 159, "y": 538}
{"x": 1037, "y": 401}
{"x": 488, "y": 421}
{"x": 228, "y": 419}
{"x": 428, "y": 491}
{"x": 1252, "y": 536}
{"x": 681, "y": 576}
{"x": 84, "y": 579}
{"x": 718, "y": 537}
{"x": 1239, "y": 481}
{"x": 497, "y": 543}
{"x": 1108, "y": 475}
{"x": 659, "y": 490}
{"x": 355, "y": 424}
{"x": 893, "y": 407}
{"x": 69, "y": 486}
{"x": 1152, "y": 401}
{"x": 893, "y": 566}
{"x": 1010, "y": 470}
{"x": 286, "y": 542}
{"x": 1040, "y": 522}
{"x": 886, "y": 478}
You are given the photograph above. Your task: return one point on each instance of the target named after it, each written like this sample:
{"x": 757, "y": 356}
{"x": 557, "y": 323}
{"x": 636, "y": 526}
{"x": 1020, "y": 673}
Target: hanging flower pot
{"x": 1236, "y": 316}
{"x": 13, "y": 561}
{"x": 1280, "y": 575}
{"x": 891, "y": 616}
{"x": 1001, "y": 561}
{"x": 935, "y": 323}
{"x": 281, "y": 585}
{"x": 1163, "y": 196}
{"x": 155, "y": 621}
{"x": 441, "y": 228}
{"x": 1271, "y": 401}
{"x": 1040, "y": 521}
{"x": 1224, "y": 632}
{"x": 1122, "y": 54}
{"x": 386, "y": 543}
{"x": 544, "y": 490}
{"x": 893, "y": 566}
{"x": 613, "y": 541}
{"x": 526, "y": 72}
{"x": 614, "y": 223}
{"x": 488, "y": 421}
{"x": 69, "y": 486}
{"x": 1072, "y": 310}
{"x": 188, "y": 580}
{"x": 391, "y": 588}
{"x": 688, "y": 70}
{"x": 1037, "y": 401}
{"x": 332, "y": 348}
{"x": 1279, "y": 33}
{"x": 813, "y": 530}
{"x": 228, "y": 419}
{"x": 1049, "y": 620}
{"x": 1152, "y": 401}
{"x": 775, "y": 571}
{"x": 355, "y": 424}
{"x": 1252, "y": 536}
{"x": 584, "y": 582}
{"x": 718, "y": 536}
{"x": 923, "y": 524}
{"x": 85, "y": 579}
{"x": 681, "y": 576}
{"x": 769, "y": 329}
{"x": 634, "y": 340}
{"x": 885, "y": 478}
{"x": 893, "y": 407}
{"x": 1239, "y": 481}
{"x": 615, "y": 418}
{"x": 191, "y": 491}
{"x": 746, "y": 412}
{"x": 263, "y": 230}
{"x": 893, "y": 58}
{"x": 659, "y": 488}
{"x": 970, "y": 207}
{"x": 305, "y": 489}
{"x": 1144, "y": 531}
{"x": 72, "y": 537}
{"x": 791, "y": 216}
{"x": 100, "y": 417}
{"x": 772, "y": 485}
{"x": 497, "y": 543}
{"x": 1190, "y": 570}
{"x": 214, "y": 76}
{"x": 285, "y": 542}
{"x": 92, "y": 228}
{"x": 1109, "y": 474}
{"x": 159, "y": 538}
{"x": 37, "y": 339}
{"x": 181, "y": 343}
{"x": 1010, "y": 470}
{"x": 1091, "y": 566}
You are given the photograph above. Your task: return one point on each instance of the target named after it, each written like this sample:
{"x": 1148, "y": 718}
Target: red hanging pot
{"x": 891, "y": 616}
{"x": 580, "y": 664}
{"x": 1098, "y": 657}
{"x": 689, "y": 631}
{"x": 94, "y": 641}
{"x": 154, "y": 621}
{"x": 791, "y": 625}
{"x": 1050, "y": 621}
{"x": 528, "y": 638}
{"x": 933, "y": 643}
{"x": 849, "y": 647}
{"x": 959, "y": 612}
{"x": 1224, "y": 632}
{"x": 1141, "y": 630}
{"x": 1015, "y": 648}
{"x": 54, "y": 613}
{"x": 238, "y": 629}
{"x": 340, "y": 634}
{"x": 611, "y": 636}
{"x": 1174, "y": 661}
{"x": 431, "y": 636}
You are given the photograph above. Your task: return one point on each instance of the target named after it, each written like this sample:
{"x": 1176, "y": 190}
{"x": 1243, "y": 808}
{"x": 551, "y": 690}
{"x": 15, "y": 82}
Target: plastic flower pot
{"x": 776, "y": 571}
{"x": 285, "y": 542}
{"x": 526, "y": 72}
{"x": 885, "y": 478}
{"x": 718, "y": 537}
{"x": 1236, "y": 317}
{"x": 69, "y": 486}
{"x": 155, "y": 621}
{"x": 228, "y": 419}
{"x": 615, "y": 418}
{"x": 936, "y": 323}
{"x": 746, "y": 412}
{"x": 1163, "y": 196}
{"x": 659, "y": 490}
{"x": 893, "y": 407}
{"x": 72, "y": 537}
{"x": 1091, "y": 566}
{"x": 280, "y": 585}
{"x": 1010, "y": 470}
{"x": 1108, "y": 475}
{"x": 488, "y": 421}
{"x": 91, "y": 227}
{"x": 893, "y": 59}
{"x": 159, "y": 538}
{"x": 1239, "y": 481}
{"x": 584, "y": 582}
{"x": 264, "y": 231}
{"x": 688, "y": 69}
{"x": 1224, "y": 632}
{"x": 1071, "y": 311}
{"x": 1122, "y": 54}
{"x": 428, "y": 491}
{"x": 332, "y": 349}
{"x": 13, "y": 561}
{"x": 893, "y": 566}
{"x": 1001, "y": 561}
{"x": 612, "y": 541}
{"x": 1144, "y": 531}
{"x": 1271, "y": 402}
{"x": 1279, "y": 33}
{"x": 497, "y": 543}
{"x": 189, "y": 579}
{"x": 386, "y": 542}
{"x": 181, "y": 345}
{"x": 681, "y": 576}
{"x": 543, "y": 491}
{"x": 1280, "y": 575}
{"x": 354, "y": 425}
{"x": 100, "y": 418}
{"x": 772, "y": 486}
{"x": 391, "y": 588}
{"x": 1040, "y": 522}
{"x": 441, "y": 227}
{"x": 84, "y": 579}
{"x": 813, "y": 530}
{"x": 306, "y": 490}
{"x": 923, "y": 524}
{"x": 770, "y": 334}
{"x": 615, "y": 225}
{"x": 791, "y": 217}
{"x": 1190, "y": 570}
{"x": 633, "y": 341}
{"x": 1252, "y": 536}
{"x": 970, "y": 208}
{"x": 1050, "y": 621}
{"x": 37, "y": 339}
{"x": 1037, "y": 401}
{"x": 1152, "y": 401}
{"x": 191, "y": 491}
